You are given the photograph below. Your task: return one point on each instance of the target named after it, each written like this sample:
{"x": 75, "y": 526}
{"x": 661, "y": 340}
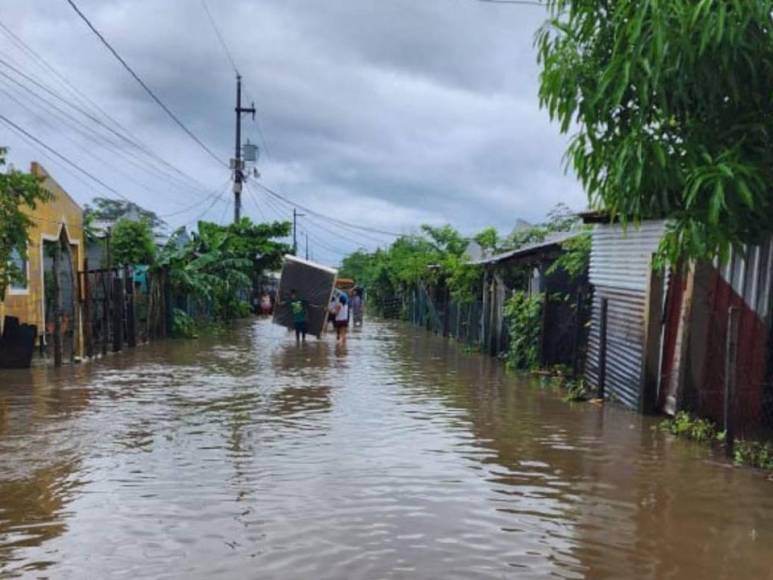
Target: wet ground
{"x": 400, "y": 456}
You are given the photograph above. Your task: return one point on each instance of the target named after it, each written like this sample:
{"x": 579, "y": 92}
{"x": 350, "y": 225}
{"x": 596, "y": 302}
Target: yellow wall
{"x": 48, "y": 220}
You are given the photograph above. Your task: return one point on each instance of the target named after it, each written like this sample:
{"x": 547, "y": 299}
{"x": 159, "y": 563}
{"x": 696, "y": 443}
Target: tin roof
{"x": 551, "y": 241}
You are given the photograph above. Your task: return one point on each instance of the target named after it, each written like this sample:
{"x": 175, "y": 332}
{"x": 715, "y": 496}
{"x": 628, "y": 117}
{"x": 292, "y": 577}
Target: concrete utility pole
{"x": 237, "y": 164}
{"x": 296, "y": 215}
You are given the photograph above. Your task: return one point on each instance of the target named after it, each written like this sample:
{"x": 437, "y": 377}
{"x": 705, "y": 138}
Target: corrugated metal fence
{"x": 619, "y": 268}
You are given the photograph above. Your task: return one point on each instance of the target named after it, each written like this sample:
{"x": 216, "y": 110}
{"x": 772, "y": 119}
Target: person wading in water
{"x": 342, "y": 318}
{"x": 299, "y": 309}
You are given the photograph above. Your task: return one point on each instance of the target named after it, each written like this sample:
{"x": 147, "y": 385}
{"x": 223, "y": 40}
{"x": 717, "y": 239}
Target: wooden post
{"x": 603, "y": 348}
{"x": 105, "y": 310}
{"x": 88, "y": 327}
{"x": 75, "y": 302}
{"x": 447, "y": 311}
{"x": 57, "y": 303}
{"x": 731, "y": 356}
{"x": 131, "y": 320}
{"x": 650, "y": 367}
{"x": 117, "y": 312}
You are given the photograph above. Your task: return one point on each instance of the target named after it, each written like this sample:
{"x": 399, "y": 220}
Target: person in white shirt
{"x": 342, "y": 318}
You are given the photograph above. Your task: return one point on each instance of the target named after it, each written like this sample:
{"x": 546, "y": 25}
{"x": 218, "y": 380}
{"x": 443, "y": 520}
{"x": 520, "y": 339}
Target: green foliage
{"x": 435, "y": 257}
{"x": 685, "y": 425}
{"x": 523, "y": 314}
{"x": 183, "y": 326}
{"x": 576, "y": 391}
{"x": 220, "y": 263}
{"x": 754, "y": 453}
{"x": 559, "y": 219}
{"x": 488, "y": 239}
{"x": 113, "y": 210}
{"x": 670, "y": 105}
{"x": 575, "y": 258}
{"x": 132, "y": 243}
{"x": 17, "y": 191}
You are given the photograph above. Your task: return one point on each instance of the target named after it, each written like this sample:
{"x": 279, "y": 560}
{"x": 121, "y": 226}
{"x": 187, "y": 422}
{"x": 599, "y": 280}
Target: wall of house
{"x": 744, "y": 284}
{"x": 48, "y": 221}
{"x": 619, "y": 272}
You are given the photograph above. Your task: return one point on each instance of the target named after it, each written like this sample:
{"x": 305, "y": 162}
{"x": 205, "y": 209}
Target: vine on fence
{"x": 524, "y": 318}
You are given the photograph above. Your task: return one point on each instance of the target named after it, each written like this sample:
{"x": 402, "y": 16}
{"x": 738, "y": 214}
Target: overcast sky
{"x": 387, "y": 113}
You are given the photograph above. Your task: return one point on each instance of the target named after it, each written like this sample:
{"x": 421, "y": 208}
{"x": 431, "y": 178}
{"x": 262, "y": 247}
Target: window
{"x": 20, "y": 261}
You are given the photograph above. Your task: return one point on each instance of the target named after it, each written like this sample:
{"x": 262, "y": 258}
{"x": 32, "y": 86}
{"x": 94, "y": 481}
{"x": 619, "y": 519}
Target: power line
{"x": 220, "y": 36}
{"x": 338, "y": 234}
{"x": 136, "y": 77}
{"x": 329, "y": 218}
{"x": 198, "y": 203}
{"x": 133, "y": 158}
{"x": 51, "y": 150}
{"x": 217, "y": 199}
{"x": 139, "y": 163}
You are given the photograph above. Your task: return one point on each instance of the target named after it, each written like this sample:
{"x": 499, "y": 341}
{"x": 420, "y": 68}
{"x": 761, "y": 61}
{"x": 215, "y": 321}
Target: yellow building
{"x": 59, "y": 218}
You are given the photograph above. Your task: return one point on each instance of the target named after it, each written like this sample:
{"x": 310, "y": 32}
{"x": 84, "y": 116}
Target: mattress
{"x": 313, "y": 283}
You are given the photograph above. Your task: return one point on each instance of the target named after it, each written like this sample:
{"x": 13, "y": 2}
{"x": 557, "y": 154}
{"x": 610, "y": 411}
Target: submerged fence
{"x": 445, "y": 317}
{"x": 121, "y": 307}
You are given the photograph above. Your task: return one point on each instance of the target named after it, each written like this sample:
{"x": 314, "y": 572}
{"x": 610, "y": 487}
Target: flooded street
{"x": 400, "y": 456}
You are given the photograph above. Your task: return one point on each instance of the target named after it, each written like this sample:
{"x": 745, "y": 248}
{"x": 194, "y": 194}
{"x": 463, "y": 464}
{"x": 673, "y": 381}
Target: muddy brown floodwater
{"x": 244, "y": 456}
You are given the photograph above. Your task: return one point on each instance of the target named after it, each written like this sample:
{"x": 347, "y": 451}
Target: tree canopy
{"x": 132, "y": 243}
{"x": 671, "y": 104}
{"x": 112, "y": 210}
{"x": 17, "y": 191}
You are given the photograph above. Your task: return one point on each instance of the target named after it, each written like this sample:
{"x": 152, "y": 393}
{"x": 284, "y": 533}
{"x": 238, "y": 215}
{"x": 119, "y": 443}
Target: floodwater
{"x": 400, "y": 456}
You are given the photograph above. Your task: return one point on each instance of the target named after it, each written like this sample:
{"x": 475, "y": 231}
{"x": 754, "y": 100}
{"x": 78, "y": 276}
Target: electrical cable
{"x": 142, "y": 83}
{"x": 51, "y": 150}
{"x": 197, "y": 204}
{"x": 218, "y": 198}
{"x": 329, "y": 218}
{"x": 84, "y": 99}
{"x": 78, "y": 129}
{"x": 175, "y": 182}
{"x": 220, "y": 37}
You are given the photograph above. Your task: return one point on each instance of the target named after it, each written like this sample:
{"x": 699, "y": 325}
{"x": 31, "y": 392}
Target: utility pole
{"x": 307, "y": 246}
{"x": 237, "y": 163}
{"x": 296, "y": 215}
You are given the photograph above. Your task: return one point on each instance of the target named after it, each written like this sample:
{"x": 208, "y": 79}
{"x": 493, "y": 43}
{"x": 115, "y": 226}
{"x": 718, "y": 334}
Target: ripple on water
{"x": 244, "y": 455}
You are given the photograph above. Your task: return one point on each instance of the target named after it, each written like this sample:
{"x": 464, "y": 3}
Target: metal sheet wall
{"x": 619, "y": 268}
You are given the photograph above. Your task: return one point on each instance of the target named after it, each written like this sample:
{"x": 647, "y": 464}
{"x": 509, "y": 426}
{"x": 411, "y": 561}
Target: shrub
{"x": 523, "y": 314}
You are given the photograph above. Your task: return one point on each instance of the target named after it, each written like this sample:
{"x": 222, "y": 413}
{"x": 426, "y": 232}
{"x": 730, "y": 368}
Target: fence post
{"x": 603, "y": 348}
{"x": 117, "y": 312}
{"x": 57, "y": 303}
{"x": 731, "y": 356}
{"x": 653, "y": 314}
{"x": 131, "y": 321}
{"x": 106, "y": 286}
{"x": 87, "y": 323}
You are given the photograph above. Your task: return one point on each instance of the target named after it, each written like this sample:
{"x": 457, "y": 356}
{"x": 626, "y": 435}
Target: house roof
{"x": 551, "y": 241}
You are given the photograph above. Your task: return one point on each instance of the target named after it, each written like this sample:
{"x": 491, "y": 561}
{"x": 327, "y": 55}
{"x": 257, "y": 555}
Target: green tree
{"x": 112, "y": 210}
{"x": 670, "y": 103}
{"x": 132, "y": 243}
{"x": 17, "y": 191}
{"x": 488, "y": 239}
{"x": 221, "y": 262}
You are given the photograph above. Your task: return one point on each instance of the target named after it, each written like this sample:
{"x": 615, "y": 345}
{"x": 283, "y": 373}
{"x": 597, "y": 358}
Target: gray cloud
{"x": 388, "y": 114}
